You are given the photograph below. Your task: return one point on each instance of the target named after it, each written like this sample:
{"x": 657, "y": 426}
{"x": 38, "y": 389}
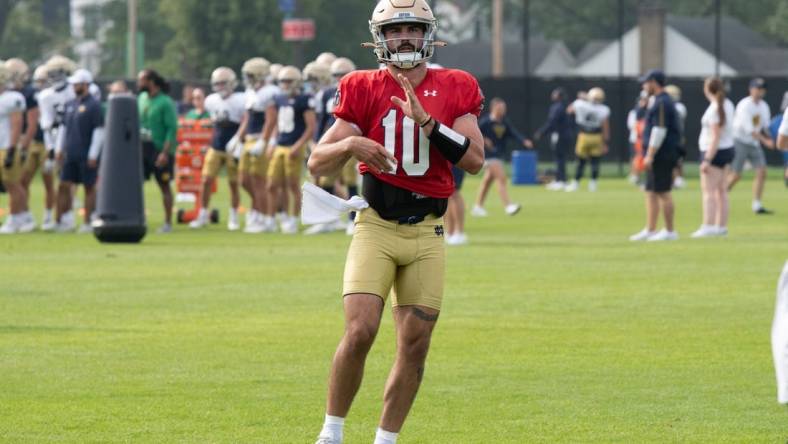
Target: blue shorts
{"x": 78, "y": 171}
{"x": 459, "y": 176}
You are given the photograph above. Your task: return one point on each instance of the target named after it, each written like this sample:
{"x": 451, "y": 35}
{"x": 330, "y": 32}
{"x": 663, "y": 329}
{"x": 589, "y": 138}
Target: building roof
{"x": 476, "y": 56}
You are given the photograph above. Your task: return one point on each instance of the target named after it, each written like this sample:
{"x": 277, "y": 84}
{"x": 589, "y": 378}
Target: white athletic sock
{"x": 48, "y": 214}
{"x": 203, "y": 213}
{"x": 756, "y": 205}
{"x": 384, "y": 437}
{"x": 332, "y": 427}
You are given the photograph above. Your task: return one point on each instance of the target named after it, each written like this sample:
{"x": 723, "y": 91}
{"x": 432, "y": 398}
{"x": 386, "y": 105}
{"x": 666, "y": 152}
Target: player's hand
{"x": 295, "y": 152}
{"x": 705, "y": 167}
{"x": 769, "y": 143}
{"x": 60, "y": 158}
{"x": 92, "y": 164}
{"x": 411, "y": 106}
{"x": 373, "y": 154}
{"x": 488, "y": 143}
{"x": 528, "y": 144}
{"x": 9, "y": 157}
{"x": 161, "y": 160}
{"x": 258, "y": 148}
{"x": 647, "y": 162}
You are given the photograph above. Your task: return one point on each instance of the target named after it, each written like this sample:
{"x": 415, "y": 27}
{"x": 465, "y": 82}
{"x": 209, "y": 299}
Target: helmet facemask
{"x": 404, "y": 60}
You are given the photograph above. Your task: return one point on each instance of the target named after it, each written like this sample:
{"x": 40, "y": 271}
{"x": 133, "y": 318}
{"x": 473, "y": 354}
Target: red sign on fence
{"x": 297, "y": 30}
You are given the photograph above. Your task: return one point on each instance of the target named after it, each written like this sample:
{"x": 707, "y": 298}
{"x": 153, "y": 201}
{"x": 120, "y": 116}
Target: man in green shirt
{"x": 158, "y": 129}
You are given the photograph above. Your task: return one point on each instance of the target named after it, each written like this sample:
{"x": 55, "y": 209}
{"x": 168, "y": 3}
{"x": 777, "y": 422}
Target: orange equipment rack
{"x": 194, "y": 139}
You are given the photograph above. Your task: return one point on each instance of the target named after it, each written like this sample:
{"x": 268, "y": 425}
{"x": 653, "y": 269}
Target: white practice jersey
{"x": 259, "y": 100}
{"x": 10, "y": 102}
{"x": 784, "y": 125}
{"x": 590, "y": 116}
{"x": 52, "y": 110}
{"x": 230, "y": 109}
{"x": 750, "y": 117}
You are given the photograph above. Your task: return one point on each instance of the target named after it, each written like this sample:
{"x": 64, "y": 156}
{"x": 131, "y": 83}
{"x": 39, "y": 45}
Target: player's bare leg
{"x": 666, "y": 202}
{"x": 260, "y": 193}
{"x": 90, "y": 203}
{"x": 652, "y": 211}
{"x": 167, "y": 201}
{"x": 295, "y": 191}
{"x": 758, "y": 183}
{"x": 362, "y": 320}
{"x": 415, "y": 324}
{"x": 733, "y": 178}
{"x": 484, "y": 188}
{"x": 500, "y": 181}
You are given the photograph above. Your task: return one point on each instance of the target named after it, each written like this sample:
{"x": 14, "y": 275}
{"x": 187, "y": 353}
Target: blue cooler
{"x": 524, "y": 167}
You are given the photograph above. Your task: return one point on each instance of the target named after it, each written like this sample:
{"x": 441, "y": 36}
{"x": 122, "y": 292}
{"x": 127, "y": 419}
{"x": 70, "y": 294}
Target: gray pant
{"x": 746, "y": 151}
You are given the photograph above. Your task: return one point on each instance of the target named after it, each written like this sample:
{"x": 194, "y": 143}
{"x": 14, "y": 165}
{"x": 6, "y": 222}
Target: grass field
{"x": 555, "y": 328}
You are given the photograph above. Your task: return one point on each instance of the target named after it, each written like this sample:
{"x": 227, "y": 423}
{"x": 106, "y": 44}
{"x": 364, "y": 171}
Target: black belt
{"x": 410, "y": 220}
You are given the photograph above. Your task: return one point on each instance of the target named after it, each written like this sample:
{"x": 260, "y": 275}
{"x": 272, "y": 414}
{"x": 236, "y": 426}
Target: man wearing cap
{"x": 662, "y": 137}
{"x": 78, "y": 147}
{"x": 561, "y": 132}
{"x": 750, "y": 130}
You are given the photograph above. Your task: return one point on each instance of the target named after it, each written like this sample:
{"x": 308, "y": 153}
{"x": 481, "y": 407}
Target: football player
{"x": 12, "y": 108}
{"x": 227, "y": 108}
{"x": 293, "y": 114}
{"x": 52, "y": 107}
{"x": 254, "y": 162}
{"x": 406, "y": 125}
{"x": 20, "y": 76}
{"x": 592, "y": 118}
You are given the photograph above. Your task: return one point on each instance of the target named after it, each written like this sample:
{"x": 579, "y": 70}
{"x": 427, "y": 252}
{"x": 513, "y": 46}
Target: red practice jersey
{"x": 364, "y": 99}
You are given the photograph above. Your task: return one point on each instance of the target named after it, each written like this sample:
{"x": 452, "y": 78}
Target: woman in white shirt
{"x": 716, "y": 153}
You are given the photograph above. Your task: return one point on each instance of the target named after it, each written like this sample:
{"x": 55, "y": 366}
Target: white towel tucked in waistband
{"x": 780, "y": 337}
{"x": 320, "y": 207}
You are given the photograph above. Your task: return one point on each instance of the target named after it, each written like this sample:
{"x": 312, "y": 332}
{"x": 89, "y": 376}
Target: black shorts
{"x": 723, "y": 158}
{"x": 659, "y": 179}
{"x": 163, "y": 174}
{"x": 459, "y": 176}
{"x": 78, "y": 171}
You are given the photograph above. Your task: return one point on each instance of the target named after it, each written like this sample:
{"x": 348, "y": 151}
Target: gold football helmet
{"x": 20, "y": 73}
{"x": 255, "y": 71}
{"x": 389, "y": 12}
{"x": 40, "y": 77}
{"x": 342, "y": 66}
{"x": 59, "y": 68}
{"x": 289, "y": 79}
{"x": 223, "y": 81}
{"x": 317, "y": 73}
{"x": 326, "y": 58}
{"x": 596, "y": 95}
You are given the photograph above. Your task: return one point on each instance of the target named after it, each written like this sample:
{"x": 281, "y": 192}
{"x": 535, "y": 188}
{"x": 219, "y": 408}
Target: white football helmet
{"x": 255, "y": 71}
{"x": 59, "y": 68}
{"x": 289, "y": 79}
{"x": 389, "y": 12}
{"x": 326, "y": 58}
{"x": 223, "y": 81}
{"x": 342, "y": 66}
{"x": 40, "y": 77}
{"x": 20, "y": 73}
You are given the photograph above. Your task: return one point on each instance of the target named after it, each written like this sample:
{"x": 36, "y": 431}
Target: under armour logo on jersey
{"x": 433, "y": 93}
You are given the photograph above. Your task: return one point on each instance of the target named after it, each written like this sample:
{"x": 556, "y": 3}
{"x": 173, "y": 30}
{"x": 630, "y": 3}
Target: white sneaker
{"x": 512, "y": 209}
{"x": 679, "y": 182}
{"x": 84, "y": 229}
{"x": 254, "y": 226}
{"x": 592, "y": 185}
{"x": 289, "y": 226}
{"x": 642, "y": 235}
{"x": 663, "y": 235}
{"x": 319, "y": 229}
{"x": 27, "y": 223}
{"x": 164, "y": 229}
{"x": 457, "y": 239}
{"x": 721, "y": 231}
{"x": 200, "y": 221}
{"x": 351, "y": 228}
{"x": 705, "y": 231}
{"x": 478, "y": 211}
{"x": 9, "y": 226}
{"x": 633, "y": 179}
{"x": 48, "y": 224}
{"x": 269, "y": 224}
{"x": 327, "y": 440}
{"x": 572, "y": 187}
{"x": 555, "y": 186}
{"x": 232, "y": 221}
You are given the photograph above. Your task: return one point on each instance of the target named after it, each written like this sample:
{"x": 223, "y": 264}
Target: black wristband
{"x": 451, "y": 144}
{"x": 426, "y": 122}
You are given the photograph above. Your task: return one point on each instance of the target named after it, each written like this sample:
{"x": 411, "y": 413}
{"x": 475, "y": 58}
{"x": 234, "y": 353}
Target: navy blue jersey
{"x": 499, "y": 132}
{"x": 558, "y": 122}
{"x": 662, "y": 112}
{"x": 30, "y": 103}
{"x": 256, "y": 121}
{"x": 82, "y": 116}
{"x": 290, "y": 117}
{"x": 325, "y": 103}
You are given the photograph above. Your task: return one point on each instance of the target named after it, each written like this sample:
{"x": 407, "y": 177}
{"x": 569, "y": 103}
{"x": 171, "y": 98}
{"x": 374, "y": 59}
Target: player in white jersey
{"x": 592, "y": 118}
{"x": 227, "y": 108}
{"x": 254, "y": 163}
{"x": 750, "y": 131}
{"x": 12, "y": 107}
{"x": 52, "y": 107}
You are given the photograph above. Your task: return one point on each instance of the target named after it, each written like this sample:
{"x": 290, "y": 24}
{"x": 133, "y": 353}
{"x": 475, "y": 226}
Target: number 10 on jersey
{"x": 409, "y": 142}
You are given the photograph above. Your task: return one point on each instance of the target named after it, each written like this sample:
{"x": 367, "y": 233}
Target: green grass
{"x": 555, "y": 328}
